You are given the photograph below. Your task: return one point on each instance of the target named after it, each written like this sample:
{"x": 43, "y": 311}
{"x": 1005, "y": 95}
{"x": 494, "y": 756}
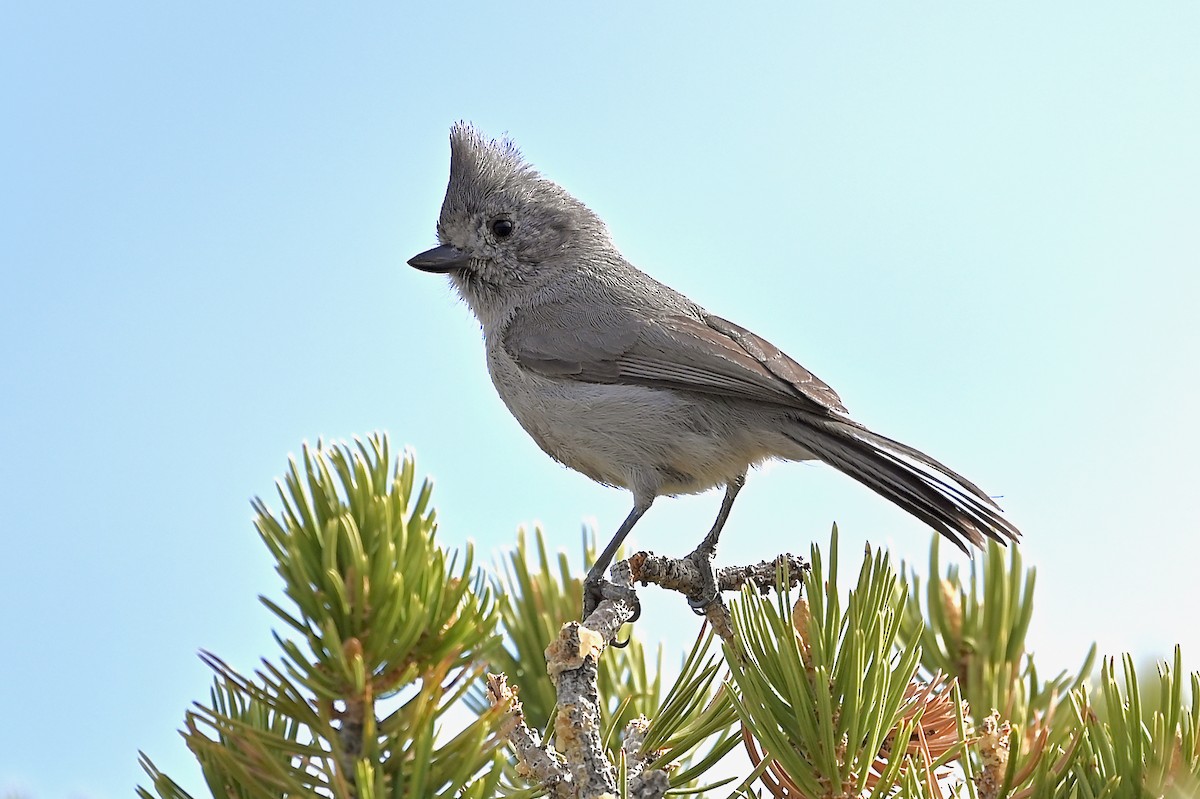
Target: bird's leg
{"x": 595, "y": 576}
{"x": 702, "y": 555}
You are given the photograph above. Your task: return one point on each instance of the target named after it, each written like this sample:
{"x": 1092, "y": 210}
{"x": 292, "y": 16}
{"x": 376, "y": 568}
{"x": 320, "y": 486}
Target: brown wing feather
{"x": 709, "y": 355}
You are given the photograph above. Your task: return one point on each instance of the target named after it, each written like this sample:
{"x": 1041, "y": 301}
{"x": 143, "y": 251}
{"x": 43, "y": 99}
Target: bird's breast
{"x": 636, "y": 437}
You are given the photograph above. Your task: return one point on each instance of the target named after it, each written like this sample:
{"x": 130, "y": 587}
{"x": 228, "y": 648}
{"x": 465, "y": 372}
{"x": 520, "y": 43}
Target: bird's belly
{"x": 647, "y": 440}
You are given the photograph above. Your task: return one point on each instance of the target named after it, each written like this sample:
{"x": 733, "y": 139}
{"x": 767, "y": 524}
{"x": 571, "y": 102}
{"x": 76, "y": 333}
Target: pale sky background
{"x": 981, "y": 225}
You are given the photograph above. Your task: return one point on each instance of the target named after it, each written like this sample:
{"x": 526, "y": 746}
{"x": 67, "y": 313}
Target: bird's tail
{"x": 926, "y": 488}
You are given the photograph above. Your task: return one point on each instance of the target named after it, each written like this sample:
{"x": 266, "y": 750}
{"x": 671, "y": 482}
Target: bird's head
{"x": 504, "y": 229}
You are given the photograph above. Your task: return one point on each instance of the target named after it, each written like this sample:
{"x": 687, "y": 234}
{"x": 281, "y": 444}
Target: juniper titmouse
{"x": 628, "y": 381}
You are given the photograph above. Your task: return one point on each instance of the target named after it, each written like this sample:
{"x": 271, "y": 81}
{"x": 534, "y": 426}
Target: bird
{"x": 622, "y": 378}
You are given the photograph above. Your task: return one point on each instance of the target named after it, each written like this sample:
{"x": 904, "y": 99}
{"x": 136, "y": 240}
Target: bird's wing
{"x": 707, "y": 354}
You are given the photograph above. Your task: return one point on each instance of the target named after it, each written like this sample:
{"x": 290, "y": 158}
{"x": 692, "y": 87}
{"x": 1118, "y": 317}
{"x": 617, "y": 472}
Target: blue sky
{"x": 979, "y": 224}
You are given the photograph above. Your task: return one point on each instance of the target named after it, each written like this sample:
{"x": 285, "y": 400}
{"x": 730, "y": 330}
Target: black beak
{"x": 440, "y": 259}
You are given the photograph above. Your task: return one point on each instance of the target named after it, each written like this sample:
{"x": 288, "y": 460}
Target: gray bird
{"x": 631, "y": 383}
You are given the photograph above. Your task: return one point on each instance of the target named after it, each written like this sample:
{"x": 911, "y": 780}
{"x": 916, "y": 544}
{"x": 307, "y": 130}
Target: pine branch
{"x": 681, "y": 575}
{"x": 376, "y": 606}
{"x": 383, "y": 631}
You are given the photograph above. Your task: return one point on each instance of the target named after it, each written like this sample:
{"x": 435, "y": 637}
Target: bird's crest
{"x": 480, "y": 166}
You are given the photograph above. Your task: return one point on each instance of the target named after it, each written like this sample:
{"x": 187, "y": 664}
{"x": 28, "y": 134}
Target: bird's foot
{"x": 594, "y": 594}
{"x": 706, "y": 591}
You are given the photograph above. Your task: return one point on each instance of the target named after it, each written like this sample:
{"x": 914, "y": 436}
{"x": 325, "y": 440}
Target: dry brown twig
{"x": 681, "y": 574}
{"x": 577, "y": 765}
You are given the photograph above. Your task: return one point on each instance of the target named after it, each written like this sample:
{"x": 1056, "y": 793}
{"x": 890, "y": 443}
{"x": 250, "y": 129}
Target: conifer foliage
{"x": 405, "y": 670}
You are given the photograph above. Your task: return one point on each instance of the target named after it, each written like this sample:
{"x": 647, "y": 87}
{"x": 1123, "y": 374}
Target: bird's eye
{"x": 503, "y": 228}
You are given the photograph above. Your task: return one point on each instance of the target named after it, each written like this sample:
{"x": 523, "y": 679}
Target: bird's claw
{"x": 593, "y": 595}
{"x": 706, "y": 592}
